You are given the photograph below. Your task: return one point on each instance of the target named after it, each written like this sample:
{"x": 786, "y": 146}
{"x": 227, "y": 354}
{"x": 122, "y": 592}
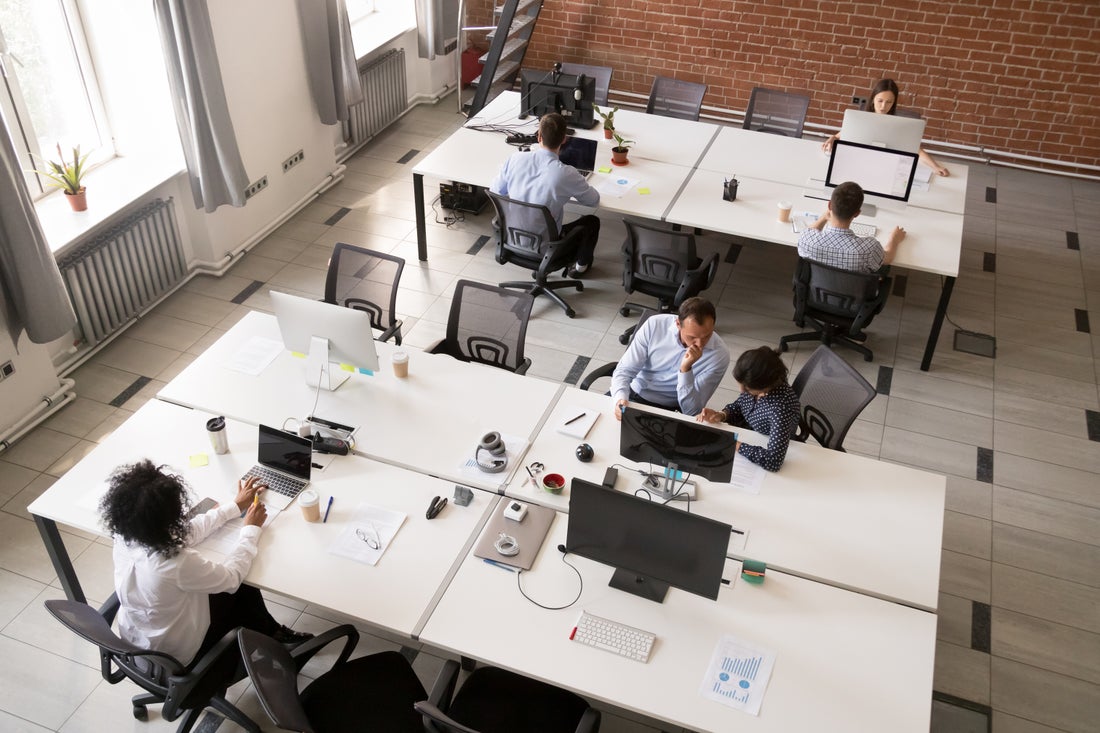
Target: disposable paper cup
{"x": 400, "y": 360}
{"x": 310, "y": 502}
{"x": 785, "y": 211}
{"x": 553, "y": 482}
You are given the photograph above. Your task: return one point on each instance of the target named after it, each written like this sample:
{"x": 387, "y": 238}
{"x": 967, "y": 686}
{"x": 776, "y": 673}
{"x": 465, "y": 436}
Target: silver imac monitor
{"x": 883, "y": 131}
{"x": 879, "y": 171}
{"x": 336, "y": 340}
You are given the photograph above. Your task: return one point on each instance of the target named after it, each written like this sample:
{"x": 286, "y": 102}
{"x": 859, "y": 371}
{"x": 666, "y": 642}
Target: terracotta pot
{"x": 618, "y": 156}
{"x": 79, "y": 200}
{"x": 608, "y": 133}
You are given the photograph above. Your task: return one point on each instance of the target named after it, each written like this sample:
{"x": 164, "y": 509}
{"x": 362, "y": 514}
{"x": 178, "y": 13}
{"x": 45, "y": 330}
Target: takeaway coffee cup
{"x": 400, "y": 360}
{"x": 215, "y": 428}
{"x": 785, "y": 211}
{"x": 310, "y": 502}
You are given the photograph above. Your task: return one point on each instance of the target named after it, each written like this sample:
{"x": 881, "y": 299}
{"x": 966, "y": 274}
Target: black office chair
{"x": 606, "y": 370}
{"x": 184, "y": 691}
{"x": 366, "y": 280}
{"x": 675, "y": 98}
{"x": 375, "y": 692}
{"x": 837, "y": 303}
{"x": 832, "y": 394}
{"x": 662, "y": 263}
{"x": 529, "y": 237}
{"x": 494, "y": 700}
{"x": 487, "y": 325}
{"x": 602, "y": 75}
{"x": 777, "y": 112}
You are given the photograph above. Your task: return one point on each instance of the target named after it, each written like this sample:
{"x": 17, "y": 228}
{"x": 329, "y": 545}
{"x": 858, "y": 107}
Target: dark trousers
{"x": 243, "y": 607}
{"x": 635, "y": 397}
{"x": 589, "y": 224}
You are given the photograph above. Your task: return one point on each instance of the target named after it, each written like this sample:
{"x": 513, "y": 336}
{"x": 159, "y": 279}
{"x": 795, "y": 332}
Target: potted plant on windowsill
{"x": 68, "y": 175}
{"x": 608, "y": 120}
{"x": 619, "y": 152}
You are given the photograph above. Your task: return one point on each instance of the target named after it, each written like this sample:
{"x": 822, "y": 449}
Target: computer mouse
{"x": 585, "y": 453}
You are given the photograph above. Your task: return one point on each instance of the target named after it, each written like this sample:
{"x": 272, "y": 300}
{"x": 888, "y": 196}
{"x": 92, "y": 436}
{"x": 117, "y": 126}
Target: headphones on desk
{"x": 492, "y": 444}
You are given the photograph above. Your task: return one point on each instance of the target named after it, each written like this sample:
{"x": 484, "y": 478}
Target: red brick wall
{"x": 1015, "y": 75}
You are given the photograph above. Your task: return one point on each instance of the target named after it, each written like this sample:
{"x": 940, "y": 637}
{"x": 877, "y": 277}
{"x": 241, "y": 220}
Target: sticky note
{"x": 198, "y": 460}
{"x": 604, "y": 169}
{"x": 643, "y": 191}
{"x": 347, "y": 368}
{"x": 297, "y": 355}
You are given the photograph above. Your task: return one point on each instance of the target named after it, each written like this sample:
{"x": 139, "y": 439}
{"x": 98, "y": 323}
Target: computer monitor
{"x": 879, "y": 171}
{"x": 569, "y": 95}
{"x": 884, "y": 131}
{"x": 680, "y": 444}
{"x": 328, "y": 334}
{"x": 651, "y": 546}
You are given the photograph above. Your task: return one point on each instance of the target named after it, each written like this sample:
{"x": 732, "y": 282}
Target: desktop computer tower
{"x": 462, "y": 197}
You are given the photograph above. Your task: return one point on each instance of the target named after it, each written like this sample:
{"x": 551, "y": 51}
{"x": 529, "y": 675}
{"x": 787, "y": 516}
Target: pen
{"x": 574, "y": 419}
{"x": 327, "y": 508}
{"x": 530, "y": 474}
{"x": 500, "y": 565}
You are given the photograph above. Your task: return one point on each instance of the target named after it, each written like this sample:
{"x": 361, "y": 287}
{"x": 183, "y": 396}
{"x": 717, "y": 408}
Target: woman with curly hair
{"x": 173, "y": 599}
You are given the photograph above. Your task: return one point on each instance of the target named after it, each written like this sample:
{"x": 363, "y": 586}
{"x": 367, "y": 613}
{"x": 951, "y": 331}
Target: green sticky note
{"x": 643, "y": 191}
{"x": 199, "y": 460}
{"x": 604, "y": 169}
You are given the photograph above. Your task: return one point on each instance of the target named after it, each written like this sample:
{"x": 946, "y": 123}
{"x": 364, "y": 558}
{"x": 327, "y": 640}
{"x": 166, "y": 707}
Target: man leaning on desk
{"x": 831, "y": 241}
{"x": 538, "y": 177}
{"x": 674, "y": 361}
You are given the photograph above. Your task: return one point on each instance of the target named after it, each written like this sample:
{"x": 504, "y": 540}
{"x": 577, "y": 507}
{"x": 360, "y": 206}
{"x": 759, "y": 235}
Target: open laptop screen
{"x": 286, "y": 452}
{"x": 579, "y": 152}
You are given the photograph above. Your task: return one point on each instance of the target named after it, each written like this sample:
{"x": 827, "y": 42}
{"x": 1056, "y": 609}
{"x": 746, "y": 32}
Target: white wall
{"x": 33, "y": 379}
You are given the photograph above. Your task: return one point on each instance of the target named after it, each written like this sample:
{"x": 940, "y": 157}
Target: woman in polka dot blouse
{"x": 767, "y": 405}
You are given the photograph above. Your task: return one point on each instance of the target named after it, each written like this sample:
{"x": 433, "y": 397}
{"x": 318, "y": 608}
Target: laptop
{"x": 579, "y": 152}
{"x": 284, "y": 461}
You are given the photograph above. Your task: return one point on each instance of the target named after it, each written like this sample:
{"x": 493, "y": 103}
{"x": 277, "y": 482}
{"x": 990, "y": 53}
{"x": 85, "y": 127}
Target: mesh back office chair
{"x": 487, "y": 325}
{"x": 493, "y": 700}
{"x": 777, "y": 112}
{"x": 366, "y": 280}
{"x": 375, "y": 692}
{"x": 832, "y": 394}
{"x": 837, "y": 303}
{"x": 529, "y": 237}
{"x": 675, "y": 98}
{"x": 602, "y": 75}
{"x": 184, "y": 691}
{"x": 662, "y": 263}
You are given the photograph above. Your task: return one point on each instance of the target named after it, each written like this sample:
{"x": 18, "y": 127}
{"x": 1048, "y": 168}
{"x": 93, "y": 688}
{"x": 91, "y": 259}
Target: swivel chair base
{"x": 548, "y": 289}
{"x": 829, "y": 335}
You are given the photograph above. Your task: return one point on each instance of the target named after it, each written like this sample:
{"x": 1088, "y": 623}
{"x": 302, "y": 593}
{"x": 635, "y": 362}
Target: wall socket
{"x": 6, "y": 370}
{"x": 293, "y": 160}
{"x": 860, "y": 102}
{"x": 255, "y": 188}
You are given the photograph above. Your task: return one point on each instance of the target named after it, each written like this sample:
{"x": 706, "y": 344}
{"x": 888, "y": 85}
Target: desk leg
{"x": 937, "y": 323}
{"x": 421, "y": 227}
{"x": 59, "y": 556}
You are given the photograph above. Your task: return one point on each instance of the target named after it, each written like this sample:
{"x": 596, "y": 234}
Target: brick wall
{"x": 1021, "y": 76}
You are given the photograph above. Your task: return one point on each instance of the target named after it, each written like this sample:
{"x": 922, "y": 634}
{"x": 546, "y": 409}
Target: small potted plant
{"x": 622, "y": 147}
{"x": 68, "y": 175}
{"x": 608, "y": 120}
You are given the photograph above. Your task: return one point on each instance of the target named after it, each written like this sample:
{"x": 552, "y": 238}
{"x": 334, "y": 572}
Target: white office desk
{"x": 844, "y": 662}
{"x": 430, "y": 422}
{"x": 839, "y": 518}
{"x": 293, "y": 560}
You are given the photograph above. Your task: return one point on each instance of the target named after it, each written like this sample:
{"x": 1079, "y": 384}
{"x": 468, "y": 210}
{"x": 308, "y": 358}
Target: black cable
{"x": 448, "y": 221}
{"x": 519, "y": 585}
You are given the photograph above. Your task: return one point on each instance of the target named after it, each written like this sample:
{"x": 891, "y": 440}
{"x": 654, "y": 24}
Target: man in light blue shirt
{"x": 674, "y": 361}
{"x": 538, "y": 177}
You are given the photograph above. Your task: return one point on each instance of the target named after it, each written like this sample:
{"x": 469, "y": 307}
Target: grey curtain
{"x": 34, "y": 296}
{"x": 202, "y": 114}
{"x": 436, "y": 21}
{"x": 330, "y": 58}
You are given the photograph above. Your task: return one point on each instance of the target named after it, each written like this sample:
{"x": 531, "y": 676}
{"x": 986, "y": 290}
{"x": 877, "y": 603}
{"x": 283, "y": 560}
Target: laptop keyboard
{"x": 276, "y": 482}
{"x": 614, "y": 637}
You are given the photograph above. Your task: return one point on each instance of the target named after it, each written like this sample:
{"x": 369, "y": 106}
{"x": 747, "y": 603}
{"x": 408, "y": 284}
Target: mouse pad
{"x": 529, "y": 534}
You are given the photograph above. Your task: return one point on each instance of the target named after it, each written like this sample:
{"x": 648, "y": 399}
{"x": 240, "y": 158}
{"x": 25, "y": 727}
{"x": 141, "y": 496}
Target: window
{"x": 375, "y": 23}
{"x": 49, "y": 94}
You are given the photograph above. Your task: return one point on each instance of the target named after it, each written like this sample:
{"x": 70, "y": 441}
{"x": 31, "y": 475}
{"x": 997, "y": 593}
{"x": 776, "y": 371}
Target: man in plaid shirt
{"x": 830, "y": 241}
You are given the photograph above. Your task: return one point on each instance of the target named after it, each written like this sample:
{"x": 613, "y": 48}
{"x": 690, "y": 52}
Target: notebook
{"x": 579, "y": 152}
{"x": 283, "y": 463}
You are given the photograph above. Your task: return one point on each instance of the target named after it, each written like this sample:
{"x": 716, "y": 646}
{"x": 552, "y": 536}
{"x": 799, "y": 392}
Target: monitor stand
{"x": 648, "y": 588}
{"x": 319, "y": 369}
{"x": 674, "y": 487}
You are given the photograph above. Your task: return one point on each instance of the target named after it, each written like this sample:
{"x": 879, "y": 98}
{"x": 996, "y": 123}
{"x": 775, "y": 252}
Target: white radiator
{"x": 117, "y": 274}
{"x": 385, "y": 97}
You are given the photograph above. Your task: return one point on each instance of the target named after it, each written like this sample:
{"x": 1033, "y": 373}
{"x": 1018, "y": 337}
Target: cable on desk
{"x": 519, "y": 584}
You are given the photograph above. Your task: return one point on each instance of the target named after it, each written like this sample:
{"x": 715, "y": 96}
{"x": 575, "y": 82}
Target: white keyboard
{"x": 613, "y": 636}
{"x": 863, "y": 230}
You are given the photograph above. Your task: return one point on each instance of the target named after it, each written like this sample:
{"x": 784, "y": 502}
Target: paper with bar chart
{"x": 738, "y": 675}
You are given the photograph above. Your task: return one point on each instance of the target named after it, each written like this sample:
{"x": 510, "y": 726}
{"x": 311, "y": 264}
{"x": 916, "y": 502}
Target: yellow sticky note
{"x": 297, "y": 355}
{"x": 604, "y": 169}
{"x": 198, "y": 460}
{"x": 643, "y": 191}
{"x": 347, "y": 368}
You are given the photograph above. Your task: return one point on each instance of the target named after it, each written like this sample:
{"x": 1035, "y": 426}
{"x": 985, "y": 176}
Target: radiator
{"x": 385, "y": 97}
{"x": 117, "y": 274}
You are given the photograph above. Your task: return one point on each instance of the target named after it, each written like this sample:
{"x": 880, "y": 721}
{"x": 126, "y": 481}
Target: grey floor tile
{"x": 954, "y": 619}
{"x": 1019, "y": 440}
{"x": 1062, "y": 391}
{"x": 1061, "y": 601}
{"x": 967, "y": 534}
{"x": 34, "y": 693}
{"x": 1047, "y": 645}
{"x": 1005, "y": 723}
{"x": 1047, "y": 554}
{"x": 929, "y": 452}
{"x": 1044, "y": 697}
{"x": 40, "y": 449}
{"x": 961, "y": 427}
{"x": 962, "y": 672}
{"x": 969, "y": 496}
{"x": 965, "y": 576}
{"x": 1047, "y": 479}
{"x": 933, "y": 390}
{"x": 1039, "y": 413}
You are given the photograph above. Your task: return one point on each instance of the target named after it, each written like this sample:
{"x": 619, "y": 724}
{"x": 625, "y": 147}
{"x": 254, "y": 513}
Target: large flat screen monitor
{"x": 329, "y": 334}
{"x": 651, "y": 546}
{"x": 681, "y": 445}
{"x": 884, "y": 131}
{"x": 569, "y": 95}
{"x": 879, "y": 171}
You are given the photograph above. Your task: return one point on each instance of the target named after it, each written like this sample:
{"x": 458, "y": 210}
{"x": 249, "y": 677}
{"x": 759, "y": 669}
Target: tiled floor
{"x": 1019, "y": 631}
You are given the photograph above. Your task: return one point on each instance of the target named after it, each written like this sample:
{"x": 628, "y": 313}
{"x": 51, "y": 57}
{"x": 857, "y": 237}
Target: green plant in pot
{"x": 68, "y": 175}
{"x": 608, "y": 120}
{"x": 619, "y": 152}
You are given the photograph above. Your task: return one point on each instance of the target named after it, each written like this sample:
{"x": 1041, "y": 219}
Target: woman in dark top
{"x": 767, "y": 405}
